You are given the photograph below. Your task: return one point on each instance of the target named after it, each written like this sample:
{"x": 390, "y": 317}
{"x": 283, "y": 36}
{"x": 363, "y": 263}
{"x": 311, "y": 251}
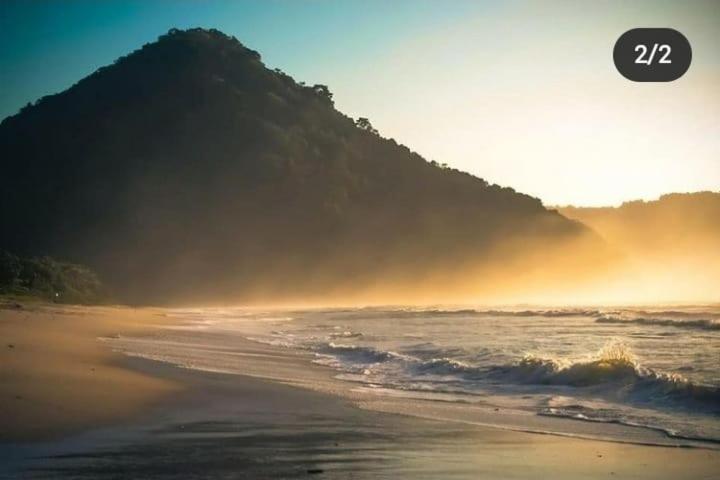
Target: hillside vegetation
{"x": 188, "y": 170}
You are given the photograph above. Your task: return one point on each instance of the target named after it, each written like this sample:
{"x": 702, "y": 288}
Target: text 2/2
{"x": 647, "y": 59}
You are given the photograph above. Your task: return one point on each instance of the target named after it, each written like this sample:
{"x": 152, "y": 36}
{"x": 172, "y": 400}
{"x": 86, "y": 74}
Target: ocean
{"x": 651, "y": 369}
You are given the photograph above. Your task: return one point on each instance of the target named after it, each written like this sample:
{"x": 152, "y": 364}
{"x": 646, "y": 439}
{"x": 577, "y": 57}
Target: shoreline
{"x": 238, "y": 414}
{"x": 248, "y": 356}
{"x": 223, "y": 422}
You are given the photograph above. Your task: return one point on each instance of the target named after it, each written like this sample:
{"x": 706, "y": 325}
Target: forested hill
{"x": 188, "y": 170}
{"x": 675, "y": 224}
{"x": 671, "y": 245}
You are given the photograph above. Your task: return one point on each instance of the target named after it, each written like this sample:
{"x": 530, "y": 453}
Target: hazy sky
{"x": 520, "y": 93}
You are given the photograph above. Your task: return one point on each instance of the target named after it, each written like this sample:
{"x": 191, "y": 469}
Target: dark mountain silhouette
{"x": 189, "y": 170}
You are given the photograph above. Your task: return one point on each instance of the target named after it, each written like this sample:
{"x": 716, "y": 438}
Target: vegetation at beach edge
{"x": 48, "y": 279}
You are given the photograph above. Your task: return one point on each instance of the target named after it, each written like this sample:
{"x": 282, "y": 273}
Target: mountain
{"x": 189, "y": 171}
{"x": 674, "y": 241}
{"x": 675, "y": 224}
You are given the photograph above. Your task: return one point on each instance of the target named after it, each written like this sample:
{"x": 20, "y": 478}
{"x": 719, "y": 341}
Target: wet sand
{"x": 145, "y": 419}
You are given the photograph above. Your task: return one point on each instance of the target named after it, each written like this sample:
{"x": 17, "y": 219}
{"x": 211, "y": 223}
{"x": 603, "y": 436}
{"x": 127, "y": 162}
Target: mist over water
{"x": 651, "y": 368}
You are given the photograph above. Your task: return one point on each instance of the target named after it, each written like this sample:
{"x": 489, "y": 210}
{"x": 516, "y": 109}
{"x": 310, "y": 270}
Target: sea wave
{"x": 613, "y": 371}
{"x": 553, "y": 313}
{"x": 445, "y": 366}
{"x": 695, "y": 324}
{"x": 704, "y": 316}
{"x": 359, "y": 354}
{"x": 676, "y": 314}
{"x": 615, "y": 368}
{"x": 402, "y": 313}
{"x": 358, "y": 358}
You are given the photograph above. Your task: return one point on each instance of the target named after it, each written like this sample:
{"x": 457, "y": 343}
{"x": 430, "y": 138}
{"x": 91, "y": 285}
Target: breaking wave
{"x": 616, "y": 369}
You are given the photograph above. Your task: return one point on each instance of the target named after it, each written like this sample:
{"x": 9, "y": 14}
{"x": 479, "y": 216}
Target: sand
{"x": 55, "y": 377}
{"x": 135, "y": 418}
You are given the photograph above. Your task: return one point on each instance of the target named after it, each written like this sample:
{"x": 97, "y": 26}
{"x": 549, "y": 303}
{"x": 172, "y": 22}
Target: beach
{"x": 57, "y": 378}
{"x": 72, "y": 407}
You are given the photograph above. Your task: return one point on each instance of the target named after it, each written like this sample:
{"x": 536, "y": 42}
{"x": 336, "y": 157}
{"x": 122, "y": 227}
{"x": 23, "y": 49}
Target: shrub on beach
{"x": 48, "y": 278}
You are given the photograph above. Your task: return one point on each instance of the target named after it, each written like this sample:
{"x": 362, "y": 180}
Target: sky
{"x": 523, "y": 94}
